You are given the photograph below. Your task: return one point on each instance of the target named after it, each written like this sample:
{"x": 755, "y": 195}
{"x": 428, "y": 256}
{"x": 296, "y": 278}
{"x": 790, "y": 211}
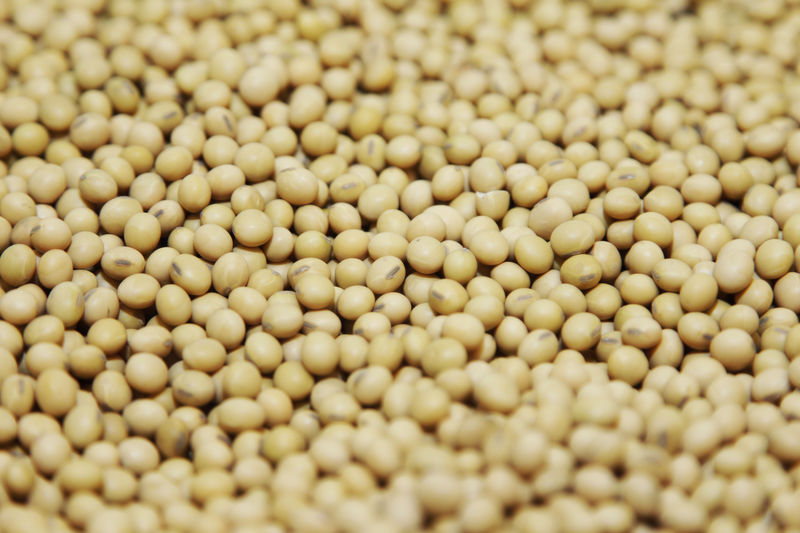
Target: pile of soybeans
{"x": 388, "y": 266}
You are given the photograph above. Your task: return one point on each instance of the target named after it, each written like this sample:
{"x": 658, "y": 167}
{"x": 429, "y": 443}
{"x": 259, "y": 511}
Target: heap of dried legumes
{"x": 386, "y": 266}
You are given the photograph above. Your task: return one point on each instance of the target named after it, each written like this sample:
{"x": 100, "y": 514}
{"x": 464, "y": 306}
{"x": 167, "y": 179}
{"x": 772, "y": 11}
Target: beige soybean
{"x": 734, "y": 348}
{"x": 572, "y": 237}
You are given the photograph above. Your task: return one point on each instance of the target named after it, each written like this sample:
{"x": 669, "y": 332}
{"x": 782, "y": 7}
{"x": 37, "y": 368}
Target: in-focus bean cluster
{"x": 399, "y": 265}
